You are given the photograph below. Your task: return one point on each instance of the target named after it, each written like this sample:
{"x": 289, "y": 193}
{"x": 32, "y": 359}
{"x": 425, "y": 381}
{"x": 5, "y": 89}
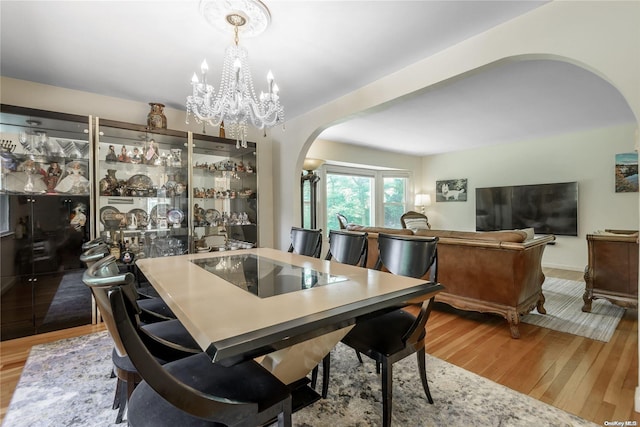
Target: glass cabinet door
{"x": 142, "y": 190}
{"x": 225, "y": 194}
{"x": 45, "y": 219}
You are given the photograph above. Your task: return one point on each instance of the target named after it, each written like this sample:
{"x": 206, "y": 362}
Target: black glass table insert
{"x": 265, "y": 277}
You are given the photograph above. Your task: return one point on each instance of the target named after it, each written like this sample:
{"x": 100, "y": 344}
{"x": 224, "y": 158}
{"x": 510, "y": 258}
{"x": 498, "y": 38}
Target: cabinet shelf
{"x": 222, "y": 179}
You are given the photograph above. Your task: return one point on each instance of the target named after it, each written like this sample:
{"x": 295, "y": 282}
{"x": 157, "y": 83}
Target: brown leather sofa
{"x": 496, "y": 272}
{"x": 612, "y": 272}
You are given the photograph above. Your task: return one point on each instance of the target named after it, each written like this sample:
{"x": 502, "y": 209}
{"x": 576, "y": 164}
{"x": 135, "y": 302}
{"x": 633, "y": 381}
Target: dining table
{"x": 285, "y": 310}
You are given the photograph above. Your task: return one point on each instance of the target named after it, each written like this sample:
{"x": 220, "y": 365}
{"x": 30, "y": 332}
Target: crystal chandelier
{"x": 235, "y": 105}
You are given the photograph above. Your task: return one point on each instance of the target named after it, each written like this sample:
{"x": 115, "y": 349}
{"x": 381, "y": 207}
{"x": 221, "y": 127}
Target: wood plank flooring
{"x": 591, "y": 379}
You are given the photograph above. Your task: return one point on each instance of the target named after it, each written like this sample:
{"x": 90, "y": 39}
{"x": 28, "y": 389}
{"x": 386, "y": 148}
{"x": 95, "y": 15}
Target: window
{"x": 354, "y": 192}
{"x": 395, "y": 199}
{"x": 351, "y": 195}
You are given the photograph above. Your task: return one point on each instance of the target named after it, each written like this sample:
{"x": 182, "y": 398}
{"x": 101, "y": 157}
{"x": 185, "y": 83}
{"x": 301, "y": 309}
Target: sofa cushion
{"x": 531, "y": 234}
{"x": 415, "y": 224}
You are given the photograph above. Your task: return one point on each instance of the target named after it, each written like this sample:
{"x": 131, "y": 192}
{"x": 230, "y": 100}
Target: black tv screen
{"x": 547, "y": 208}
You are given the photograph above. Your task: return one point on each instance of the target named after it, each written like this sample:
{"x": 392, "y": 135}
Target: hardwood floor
{"x": 591, "y": 379}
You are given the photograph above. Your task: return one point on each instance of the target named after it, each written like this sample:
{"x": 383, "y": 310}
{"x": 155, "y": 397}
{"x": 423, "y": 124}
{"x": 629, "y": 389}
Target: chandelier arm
{"x": 235, "y": 103}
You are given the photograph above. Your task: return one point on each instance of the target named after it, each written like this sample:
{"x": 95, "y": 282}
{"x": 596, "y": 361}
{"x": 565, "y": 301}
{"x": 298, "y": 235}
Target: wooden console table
{"x": 612, "y": 272}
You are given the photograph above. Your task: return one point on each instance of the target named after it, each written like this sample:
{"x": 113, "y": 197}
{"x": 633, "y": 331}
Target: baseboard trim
{"x": 563, "y": 267}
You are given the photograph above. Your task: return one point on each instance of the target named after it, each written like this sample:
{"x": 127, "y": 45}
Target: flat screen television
{"x": 547, "y": 208}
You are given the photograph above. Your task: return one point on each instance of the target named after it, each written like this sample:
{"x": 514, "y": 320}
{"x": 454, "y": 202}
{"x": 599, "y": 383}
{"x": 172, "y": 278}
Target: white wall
{"x": 586, "y": 157}
{"x": 600, "y": 36}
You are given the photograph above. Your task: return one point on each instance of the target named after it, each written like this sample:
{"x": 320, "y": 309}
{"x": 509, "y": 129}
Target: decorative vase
{"x": 156, "y": 118}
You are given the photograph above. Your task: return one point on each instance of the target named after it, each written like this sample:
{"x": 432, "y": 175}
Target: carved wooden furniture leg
{"x": 588, "y": 291}
{"x": 540, "y": 305}
{"x": 514, "y": 320}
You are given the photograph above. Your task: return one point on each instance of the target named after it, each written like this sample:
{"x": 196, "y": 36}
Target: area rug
{"x": 67, "y": 383}
{"x": 564, "y": 311}
{"x": 72, "y": 301}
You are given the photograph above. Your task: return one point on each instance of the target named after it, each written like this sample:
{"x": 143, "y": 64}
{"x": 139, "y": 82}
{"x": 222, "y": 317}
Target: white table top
{"x": 229, "y": 322}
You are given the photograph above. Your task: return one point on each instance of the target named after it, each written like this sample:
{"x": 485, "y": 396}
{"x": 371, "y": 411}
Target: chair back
{"x": 174, "y": 391}
{"x": 410, "y": 256}
{"x": 415, "y": 221}
{"x": 306, "y": 241}
{"x": 94, "y": 253}
{"x": 342, "y": 220}
{"x": 91, "y": 243}
{"x": 348, "y": 247}
{"x": 101, "y": 276}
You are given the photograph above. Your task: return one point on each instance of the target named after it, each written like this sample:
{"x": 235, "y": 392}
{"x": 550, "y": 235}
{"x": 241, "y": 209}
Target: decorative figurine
{"x": 136, "y": 157}
{"x": 127, "y": 257}
{"x": 78, "y": 216}
{"x": 52, "y": 176}
{"x": 124, "y": 157}
{"x": 111, "y": 155}
{"x": 151, "y": 153}
{"x": 74, "y": 182}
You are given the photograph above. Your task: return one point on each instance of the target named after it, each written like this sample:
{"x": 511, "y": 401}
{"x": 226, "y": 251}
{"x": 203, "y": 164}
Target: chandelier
{"x": 235, "y": 105}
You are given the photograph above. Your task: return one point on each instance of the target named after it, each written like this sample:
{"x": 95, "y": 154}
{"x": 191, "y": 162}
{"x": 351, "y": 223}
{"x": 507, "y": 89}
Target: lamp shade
{"x": 423, "y": 199}
{"x": 312, "y": 164}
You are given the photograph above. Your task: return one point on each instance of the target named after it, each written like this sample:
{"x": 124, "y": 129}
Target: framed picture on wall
{"x": 451, "y": 190}
{"x": 626, "y": 173}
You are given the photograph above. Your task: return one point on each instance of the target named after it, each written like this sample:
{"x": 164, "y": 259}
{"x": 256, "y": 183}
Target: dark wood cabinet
{"x": 45, "y": 205}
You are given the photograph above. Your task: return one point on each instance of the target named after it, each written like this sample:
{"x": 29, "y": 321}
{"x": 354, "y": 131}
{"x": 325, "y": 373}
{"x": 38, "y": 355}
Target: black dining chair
{"x": 348, "y": 247}
{"x": 305, "y": 241}
{"x": 345, "y": 247}
{"x": 194, "y": 391}
{"x": 91, "y": 243}
{"x": 94, "y": 253}
{"x": 101, "y": 276}
{"x": 392, "y": 336}
{"x": 154, "y": 308}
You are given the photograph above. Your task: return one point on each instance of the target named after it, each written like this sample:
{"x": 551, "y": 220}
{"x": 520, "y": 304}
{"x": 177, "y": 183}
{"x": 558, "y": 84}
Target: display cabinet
{"x": 46, "y": 217}
{"x": 141, "y": 190}
{"x": 225, "y": 194}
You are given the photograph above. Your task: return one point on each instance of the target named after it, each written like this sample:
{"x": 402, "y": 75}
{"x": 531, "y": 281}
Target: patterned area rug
{"x": 67, "y": 383}
{"x": 564, "y": 311}
{"x": 72, "y": 301}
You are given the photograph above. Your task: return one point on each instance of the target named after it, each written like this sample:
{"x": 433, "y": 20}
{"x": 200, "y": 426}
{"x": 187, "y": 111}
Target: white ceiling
{"x": 318, "y": 51}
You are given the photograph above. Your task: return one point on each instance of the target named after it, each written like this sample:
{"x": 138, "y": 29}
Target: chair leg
{"x": 314, "y": 377}
{"x": 122, "y": 401}
{"x": 387, "y": 392}
{"x": 359, "y": 357}
{"x": 284, "y": 417}
{"x": 423, "y": 373}
{"x": 326, "y": 367}
{"x": 116, "y": 397}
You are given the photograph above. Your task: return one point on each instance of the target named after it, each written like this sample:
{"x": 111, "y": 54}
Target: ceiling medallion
{"x": 255, "y": 14}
